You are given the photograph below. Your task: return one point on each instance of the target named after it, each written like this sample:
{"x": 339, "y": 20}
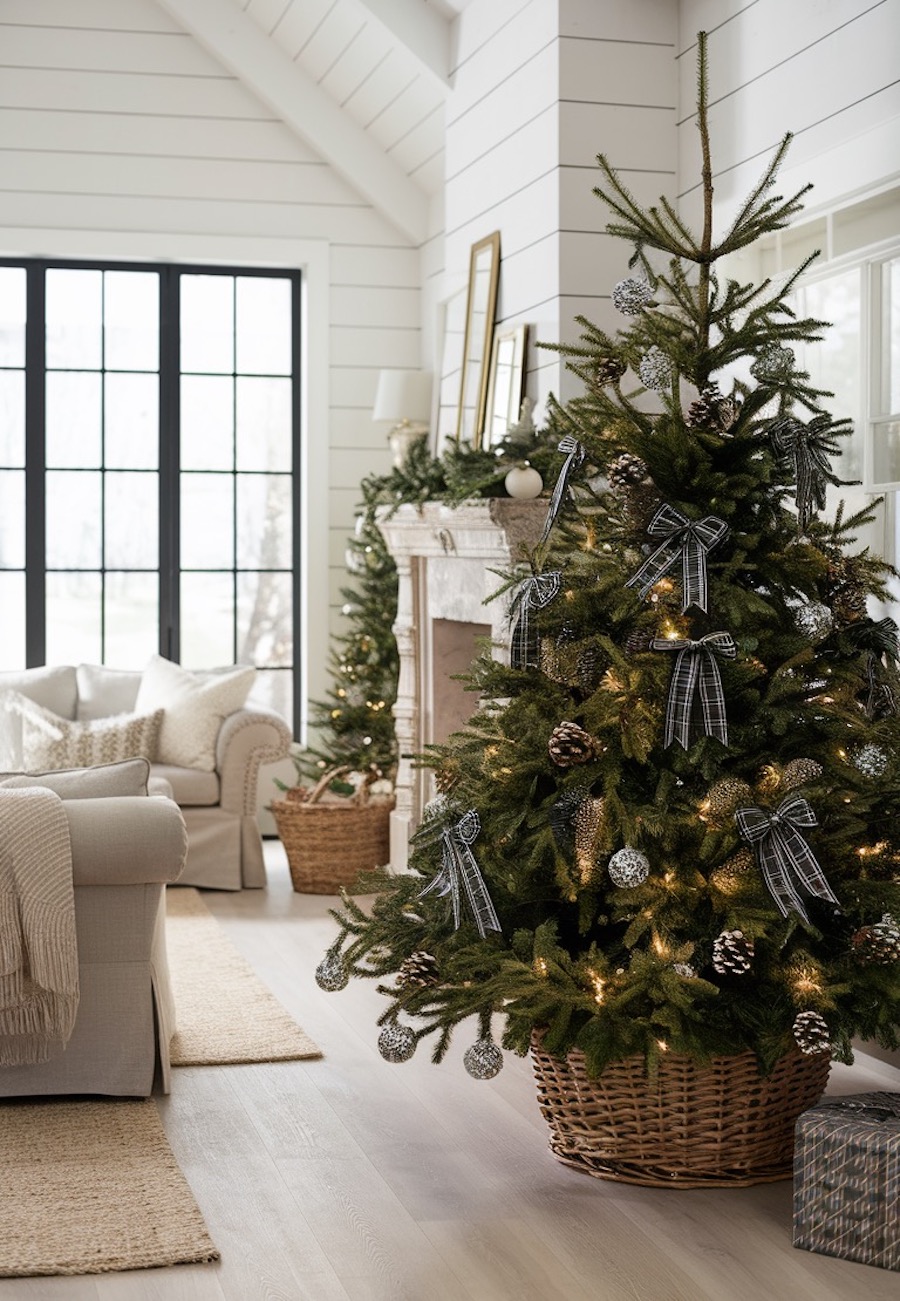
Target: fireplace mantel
{"x": 445, "y": 557}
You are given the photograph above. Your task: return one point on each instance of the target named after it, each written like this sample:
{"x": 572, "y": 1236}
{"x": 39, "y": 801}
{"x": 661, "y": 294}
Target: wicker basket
{"x": 330, "y": 839}
{"x": 692, "y": 1127}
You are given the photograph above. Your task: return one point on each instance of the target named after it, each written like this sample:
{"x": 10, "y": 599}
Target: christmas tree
{"x": 354, "y": 725}
{"x": 670, "y": 824}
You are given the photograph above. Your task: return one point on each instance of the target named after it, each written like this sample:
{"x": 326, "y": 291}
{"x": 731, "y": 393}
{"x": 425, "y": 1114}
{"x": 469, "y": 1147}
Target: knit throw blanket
{"x": 38, "y": 950}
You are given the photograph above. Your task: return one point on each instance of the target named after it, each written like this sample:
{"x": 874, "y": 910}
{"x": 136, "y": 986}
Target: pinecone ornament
{"x": 713, "y": 411}
{"x": 878, "y": 944}
{"x": 846, "y": 590}
{"x": 444, "y": 780}
{"x": 625, "y": 470}
{"x": 799, "y": 772}
{"x": 570, "y": 744}
{"x": 418, "y": 971}
{"x": 811, "y": 1033}
{"x": 732, "y": 953}
{"x": 638, "y": 641}
{"x": 608, "y": 370}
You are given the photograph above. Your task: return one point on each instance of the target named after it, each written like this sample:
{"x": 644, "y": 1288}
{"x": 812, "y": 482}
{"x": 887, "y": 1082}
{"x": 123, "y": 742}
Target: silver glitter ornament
{"x": 655, "y": 370}
{"x": 631, "y": 296}
{"x": 684, "y": 969}
{"x": 483, "y": 1060}
{"x": 870, "y": 759}
{"x": 628, "y": 867}
{"x": 814, "y": 620}
{"x": 331, "y": 974}
{"x": 397, "y": 1043}
{"x": 773, "y": 363}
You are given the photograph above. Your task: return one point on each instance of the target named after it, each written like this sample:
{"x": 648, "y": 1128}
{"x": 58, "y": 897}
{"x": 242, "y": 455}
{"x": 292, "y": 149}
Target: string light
{"x": 598, "y": 986}
{"x": 540, "y": 966}
{"x": 662, "y": 1045}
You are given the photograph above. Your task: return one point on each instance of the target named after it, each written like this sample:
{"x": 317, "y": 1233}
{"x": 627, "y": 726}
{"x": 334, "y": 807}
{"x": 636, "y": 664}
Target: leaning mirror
{"x": 506, "y": 383}
{"x": 481, "y": 305}
{"x": 449, "y": 386}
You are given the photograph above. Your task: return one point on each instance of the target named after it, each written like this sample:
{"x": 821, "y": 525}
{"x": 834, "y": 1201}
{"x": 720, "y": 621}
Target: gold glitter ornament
{"x": 587, "y": 824}
{"x": 770, "y": 779}
{"x": 733, "y": 874}
{"x": 799, "y": 772}
{"x": 727, "y": 795}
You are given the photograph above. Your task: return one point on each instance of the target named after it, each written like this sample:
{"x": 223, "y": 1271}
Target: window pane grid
{"x": 105, "y": 468}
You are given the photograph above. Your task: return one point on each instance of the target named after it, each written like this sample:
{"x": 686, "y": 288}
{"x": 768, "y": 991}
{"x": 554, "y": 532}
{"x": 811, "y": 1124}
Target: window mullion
{"x": 169, "y": 464}
{"x": 35, "y": 469}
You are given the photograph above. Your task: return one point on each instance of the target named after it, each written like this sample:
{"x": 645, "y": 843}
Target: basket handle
{"x": 324, "y": 782}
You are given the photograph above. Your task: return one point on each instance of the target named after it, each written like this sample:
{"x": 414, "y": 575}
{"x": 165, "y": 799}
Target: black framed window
{"x": 149, "y": 454}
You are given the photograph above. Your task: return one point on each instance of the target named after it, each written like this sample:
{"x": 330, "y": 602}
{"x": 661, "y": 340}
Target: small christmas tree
{"x": 671, "y": 825}
{"x": 355, "y": 727}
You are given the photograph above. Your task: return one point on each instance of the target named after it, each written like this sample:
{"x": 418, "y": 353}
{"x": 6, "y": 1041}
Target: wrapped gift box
{"x": 847, "y": 1179}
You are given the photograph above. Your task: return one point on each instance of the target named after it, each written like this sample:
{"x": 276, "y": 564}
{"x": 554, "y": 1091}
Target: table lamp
{"x": 403, "y": 397}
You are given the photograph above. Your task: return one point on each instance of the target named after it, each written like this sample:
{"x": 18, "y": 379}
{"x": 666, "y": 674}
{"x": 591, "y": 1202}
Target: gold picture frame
{"x": 481, "y": 308}
{"x": 506, "y": 386}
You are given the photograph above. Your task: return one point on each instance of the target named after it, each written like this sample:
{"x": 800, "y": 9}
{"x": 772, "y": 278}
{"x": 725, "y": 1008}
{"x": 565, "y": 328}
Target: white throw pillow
{"x": 194, "y": 707}
{"x": 103, "y": 691}
{"x": 54, "y": 688}
{"x": 49, "y": 741}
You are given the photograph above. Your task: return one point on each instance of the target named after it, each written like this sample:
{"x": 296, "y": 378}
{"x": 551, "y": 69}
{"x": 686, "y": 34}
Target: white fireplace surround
{"x": 445, "y": 557}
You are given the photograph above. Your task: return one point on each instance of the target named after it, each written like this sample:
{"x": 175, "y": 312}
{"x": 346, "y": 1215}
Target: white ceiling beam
{"x": 242, "y": 47}
{"x": 421, "y": 29}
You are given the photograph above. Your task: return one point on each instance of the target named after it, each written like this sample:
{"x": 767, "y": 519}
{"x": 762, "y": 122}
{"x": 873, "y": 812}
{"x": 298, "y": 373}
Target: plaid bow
{"x": 696, "y": 668}
{"x": 689, "y": 539}
{"x": 781, "y": 851}
{"x": 575, "y": 454}
{"x": 532, "y": 594}
{"x": 810, "y": 447}
{"x": 458, "y": 865}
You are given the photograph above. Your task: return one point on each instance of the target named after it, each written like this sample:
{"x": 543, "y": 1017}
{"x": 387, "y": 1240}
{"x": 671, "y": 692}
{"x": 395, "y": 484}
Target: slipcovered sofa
{"x": 205, "y": 741}
{"x": 125, "y": 849}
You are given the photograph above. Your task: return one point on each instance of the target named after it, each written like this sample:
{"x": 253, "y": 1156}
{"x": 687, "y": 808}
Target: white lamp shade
{"x": 403, "y": 395}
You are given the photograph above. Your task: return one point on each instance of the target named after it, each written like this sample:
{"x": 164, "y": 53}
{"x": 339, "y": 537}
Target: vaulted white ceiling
{"x": 363, "y": 82}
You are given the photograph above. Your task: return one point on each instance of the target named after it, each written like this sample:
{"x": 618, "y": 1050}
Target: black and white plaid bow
{"x": 696, "y": 680}
{"x": 809, "y": 446}
{"x": 782, "y": 853}
{"x": 575, "y": 454}
{"x": 532, "y": 594}
{"x": 688, "y": 539}
{"x": 459, "y": 872}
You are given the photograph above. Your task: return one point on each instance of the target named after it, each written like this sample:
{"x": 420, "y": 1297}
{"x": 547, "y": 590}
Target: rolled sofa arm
{"x": 126, "y": 840}
{"x": 247, "y": 739}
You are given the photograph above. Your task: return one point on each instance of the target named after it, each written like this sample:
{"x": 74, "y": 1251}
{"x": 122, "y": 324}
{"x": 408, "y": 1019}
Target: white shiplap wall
{"x": 539, "y": 89}
{"x": 121, "y": 136}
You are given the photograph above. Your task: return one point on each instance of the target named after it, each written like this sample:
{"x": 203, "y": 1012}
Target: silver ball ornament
{"x": 331, "y": 974}
{"x": 814, "y": 620}
{"x": 773, "y": 363}
{"x": 631, "y": 296}
{"x": 397, "y": 1043}
{"x": 483, "y": 1060}
{"x": 684, "y": 969}
{"x": 870, "y": 759}
{"x": 655, "y": 369}
{"x": 628, "y": 867}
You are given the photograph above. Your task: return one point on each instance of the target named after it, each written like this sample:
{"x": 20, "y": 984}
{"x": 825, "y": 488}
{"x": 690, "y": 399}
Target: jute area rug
{"x": 89, "y": 1187}
{"x": 224, "y": 1013}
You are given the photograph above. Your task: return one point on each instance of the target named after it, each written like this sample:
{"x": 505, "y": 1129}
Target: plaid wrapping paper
{"x": 847, "y": 1179}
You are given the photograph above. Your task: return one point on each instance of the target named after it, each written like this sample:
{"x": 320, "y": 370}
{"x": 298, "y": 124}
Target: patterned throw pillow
{"x": 49, "y": 741}
{"x": 194, "y": 707}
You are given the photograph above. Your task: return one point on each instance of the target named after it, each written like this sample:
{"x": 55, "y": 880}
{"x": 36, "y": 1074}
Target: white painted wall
{"x": 120, "y": 136}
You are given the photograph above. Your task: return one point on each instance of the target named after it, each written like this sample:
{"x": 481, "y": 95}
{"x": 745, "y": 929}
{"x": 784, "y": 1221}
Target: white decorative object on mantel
{"x": 445, "y": 557}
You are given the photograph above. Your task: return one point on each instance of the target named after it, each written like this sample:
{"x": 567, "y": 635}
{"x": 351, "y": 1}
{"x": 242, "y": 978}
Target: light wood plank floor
{"x": 352, "y": 1178}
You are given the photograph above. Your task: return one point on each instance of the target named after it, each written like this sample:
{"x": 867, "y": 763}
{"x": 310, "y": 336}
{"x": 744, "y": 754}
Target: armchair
{"x": 125, "y": 849}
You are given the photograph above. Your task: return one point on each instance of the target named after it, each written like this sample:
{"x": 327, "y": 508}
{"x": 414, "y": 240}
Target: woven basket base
{"x": 693, "y": 1127}
{"x": 328, "y": 845}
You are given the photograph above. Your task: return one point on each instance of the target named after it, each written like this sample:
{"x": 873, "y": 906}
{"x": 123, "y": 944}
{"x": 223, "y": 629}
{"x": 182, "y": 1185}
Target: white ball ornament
{"x": 397, "y": 1042}
{"x": 483, "y": 1060}
{"x": 628, "y": 867}
{"x": 523, "y": 482}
